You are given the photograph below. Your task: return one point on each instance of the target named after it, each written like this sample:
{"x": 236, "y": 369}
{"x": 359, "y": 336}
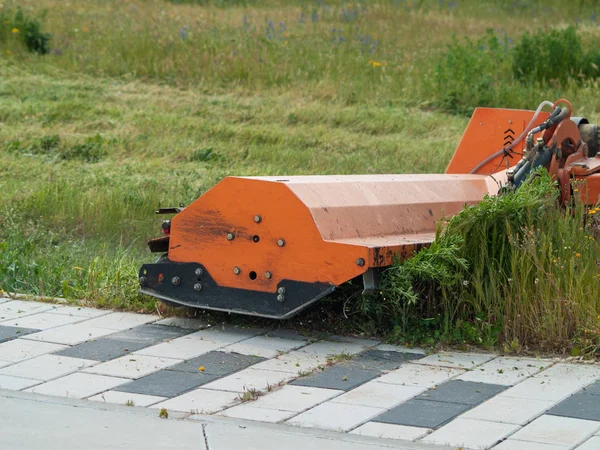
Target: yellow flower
{"x": 8, "y": 52}
{"x": 554, "y": 260}
{"x": 575, "y": 190}
{"x": 201, "y": 368}
{"x": 577, "y": 255}
{"x": 375, "y": 63}
{"x": 85, "y": 29}
{"x": 15, "y": 30}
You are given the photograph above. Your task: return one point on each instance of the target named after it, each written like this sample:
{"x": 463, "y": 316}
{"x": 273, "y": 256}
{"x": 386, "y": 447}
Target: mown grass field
{"x": 141, "y": 104}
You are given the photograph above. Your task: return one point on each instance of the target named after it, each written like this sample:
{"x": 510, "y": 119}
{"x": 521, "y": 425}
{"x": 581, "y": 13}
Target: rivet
{"x": 143, "y": 281}
{"x": 197, "y": 287}
{"x": 267, "y": 275}
{"x": 176, "y": 281}
{"x": 198, "y": 272}
{"x": 281, "y": 290}
{"x": 360, "y": 262}
{"x": 257, "y": 219}
{"x": 230, "y": 236}
{"x": 510, "y": 121}
{"x": 236, "y": 270}
{"x": 281, "y": 242}
{"x": 280, "y": 298}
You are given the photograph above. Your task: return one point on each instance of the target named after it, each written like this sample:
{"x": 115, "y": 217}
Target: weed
{"x": 163, "y": 413}
{"x": 249, "y": 395}
{"x": 334, "y": 359}
{"x": 131, "y": 403}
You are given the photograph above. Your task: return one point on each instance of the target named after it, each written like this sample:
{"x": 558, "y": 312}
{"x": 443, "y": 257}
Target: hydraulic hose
{"x": 521, "y": 136}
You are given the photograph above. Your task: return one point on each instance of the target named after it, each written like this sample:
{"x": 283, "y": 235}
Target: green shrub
{"x": 26, "y": 29}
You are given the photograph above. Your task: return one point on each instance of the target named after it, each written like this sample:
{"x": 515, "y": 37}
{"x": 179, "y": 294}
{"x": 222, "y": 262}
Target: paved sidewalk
{"x": 360, "y": 389}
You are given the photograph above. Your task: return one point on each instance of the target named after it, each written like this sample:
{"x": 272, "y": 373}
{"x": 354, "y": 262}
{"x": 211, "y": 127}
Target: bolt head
{"x": 257, "y": 219}
{"x": 230, "y": 236}
{"x": 280, "y": 242}
{"x": 143, "y": 281}
{"x": 176, "y": 281}
{"x": 360, "y": 262}
{"x": 281, "y": 290}
{"x": 236, "y": 270}
{"x": 197, "y": 287}
{"x": 268, "y": 275}
{"x": 198, "y": 272}
{"x": 280, "y": 298}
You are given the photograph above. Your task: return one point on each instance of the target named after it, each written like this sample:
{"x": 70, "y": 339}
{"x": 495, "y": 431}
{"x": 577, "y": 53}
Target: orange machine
{"x": 270, "y": 246}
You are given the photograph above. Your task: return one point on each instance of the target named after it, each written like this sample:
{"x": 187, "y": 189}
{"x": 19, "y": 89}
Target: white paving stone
{"x": 186, "y": 347}
{"x": 391, "y": 431}
{"x": 132, "y": 366}
{"x": 505, "y": 371}
{"x": 70, "y": 334}
{"x": 120, "y": 321}
{"x": 293, "y": 362}
{"x": 518, "y": 411}
{"x": 379, "y": 395}
{"x": 266, "y": 347}
{"x": 513, "y": 444}
{"x": 295, "y": 398}
{"x": 418, "y": 375}
{"x": 125, "y": 398}
{"x": 365, "y": 342}
{"x": 557, "y": 430}
{"x": 43, "y": 321}
{"x": 225, "y": 336}
{"x": 556, "y": 383}
{"x": 46, "y": 367}
{"x": 335, "y": 416}
{"x": 21, "y": 349}
{"x": 456, "y": 360}
{"x": 249, "y": 412}
{"x": 200, "y": 401}
{"x": 78, "y": 385}
{"x": 5, "y": 363}
{"x": 4, "y": 300}
{"x": 471, "y": 434}
{"x": 325, "y": 349}
{"x": 592, "y": 443}
{"x": 79, "y": 311}
{"x": 248, "y": 379}
{"x": 16, "y": 383}
{"x": 20, "y": 308}
{"x": 400, "y": 349}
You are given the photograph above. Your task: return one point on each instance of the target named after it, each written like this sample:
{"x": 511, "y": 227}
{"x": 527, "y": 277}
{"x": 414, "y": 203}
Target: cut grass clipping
{"x": 515, "y": 268}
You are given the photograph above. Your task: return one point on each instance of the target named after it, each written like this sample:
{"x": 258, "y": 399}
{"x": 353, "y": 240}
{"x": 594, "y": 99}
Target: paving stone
{"x": 46, "y": 367}
{"x": 43, "y": 321}
{"x": 557, "y": 430}
{"x": 120, "y": 321}
{"x": 592, "y": 389}
{"x": 579, "y": 406}
{"x": 379, "y": 395}
{"x": 342, "y": 376}
{"x": 295, "y": 398}
{"x": 16, "y": 383}
{"x": 518, "y": 411}
{"x": 22, "y": 349}
{"x": 70, "y": 334}
{"x": 505, "y": 371}
{"x": 472, "y": 434}
{"x": 249, "y": 411}
{"x": 78, "y": 385}
{"x": 4, "y": 300}
{"x": 401, "y": 349}
{"x": 365, "y": 342}
{"x": 184, "y": 322}
{"x": 247, "y": 379}
{"x": 556, "y": 383}
{"x": 422, "y": 413}
{"x": 126, "y": 398}
{"x": 167, "y": 383}
{"x": 267, "y": 347}
{"x": 132, "y": 366}
{"x": 199, "y": 401}
{"x": 456, "y": 360}
{"x": 8, "y": 333}
{"x": 384, "y": 360}
{"x": 5, "y": 363}
{"x": 513, "y": 444}
{"x": 295, "y": 362}
{"x": 466, "y": 392}
{"x": 103, "y": 349}
{"x": 150, "y": 334}
{"x": 391, "y": 431}
{"x": 79, "y": 311}
{"x": 287, "y": 334}
{"x": 326, "y": 349}
{"x": 186, "y": 347}
{"x": 335, "y": 416}
{"x": 592, "y": 443}
{"x": 418, "y": 375}
{"x": 218, "y": 363}
{"x": 19, "y": 308}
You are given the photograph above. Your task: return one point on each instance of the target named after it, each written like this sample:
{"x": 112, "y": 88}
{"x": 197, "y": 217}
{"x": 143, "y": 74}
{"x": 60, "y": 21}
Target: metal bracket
{"x": 371, "y": 281}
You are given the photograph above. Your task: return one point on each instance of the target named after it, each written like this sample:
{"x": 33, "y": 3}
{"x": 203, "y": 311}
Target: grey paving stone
{"x": 384, "y": 360}
{"x": 217, "y": 363}
{"x": 7, "y": 333}
{"x": 578, "y": 406}
{"x": 150, "y": 334}
{"x": 464, "y": 392}
{"x": 103, "y": 349}
{"x": 167, "y": 383}
{"x": 342, "y": 376}
{"x": 287, "y": 334}
{"x": 422, "y": 413}
{"x": 592, "y": 389}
